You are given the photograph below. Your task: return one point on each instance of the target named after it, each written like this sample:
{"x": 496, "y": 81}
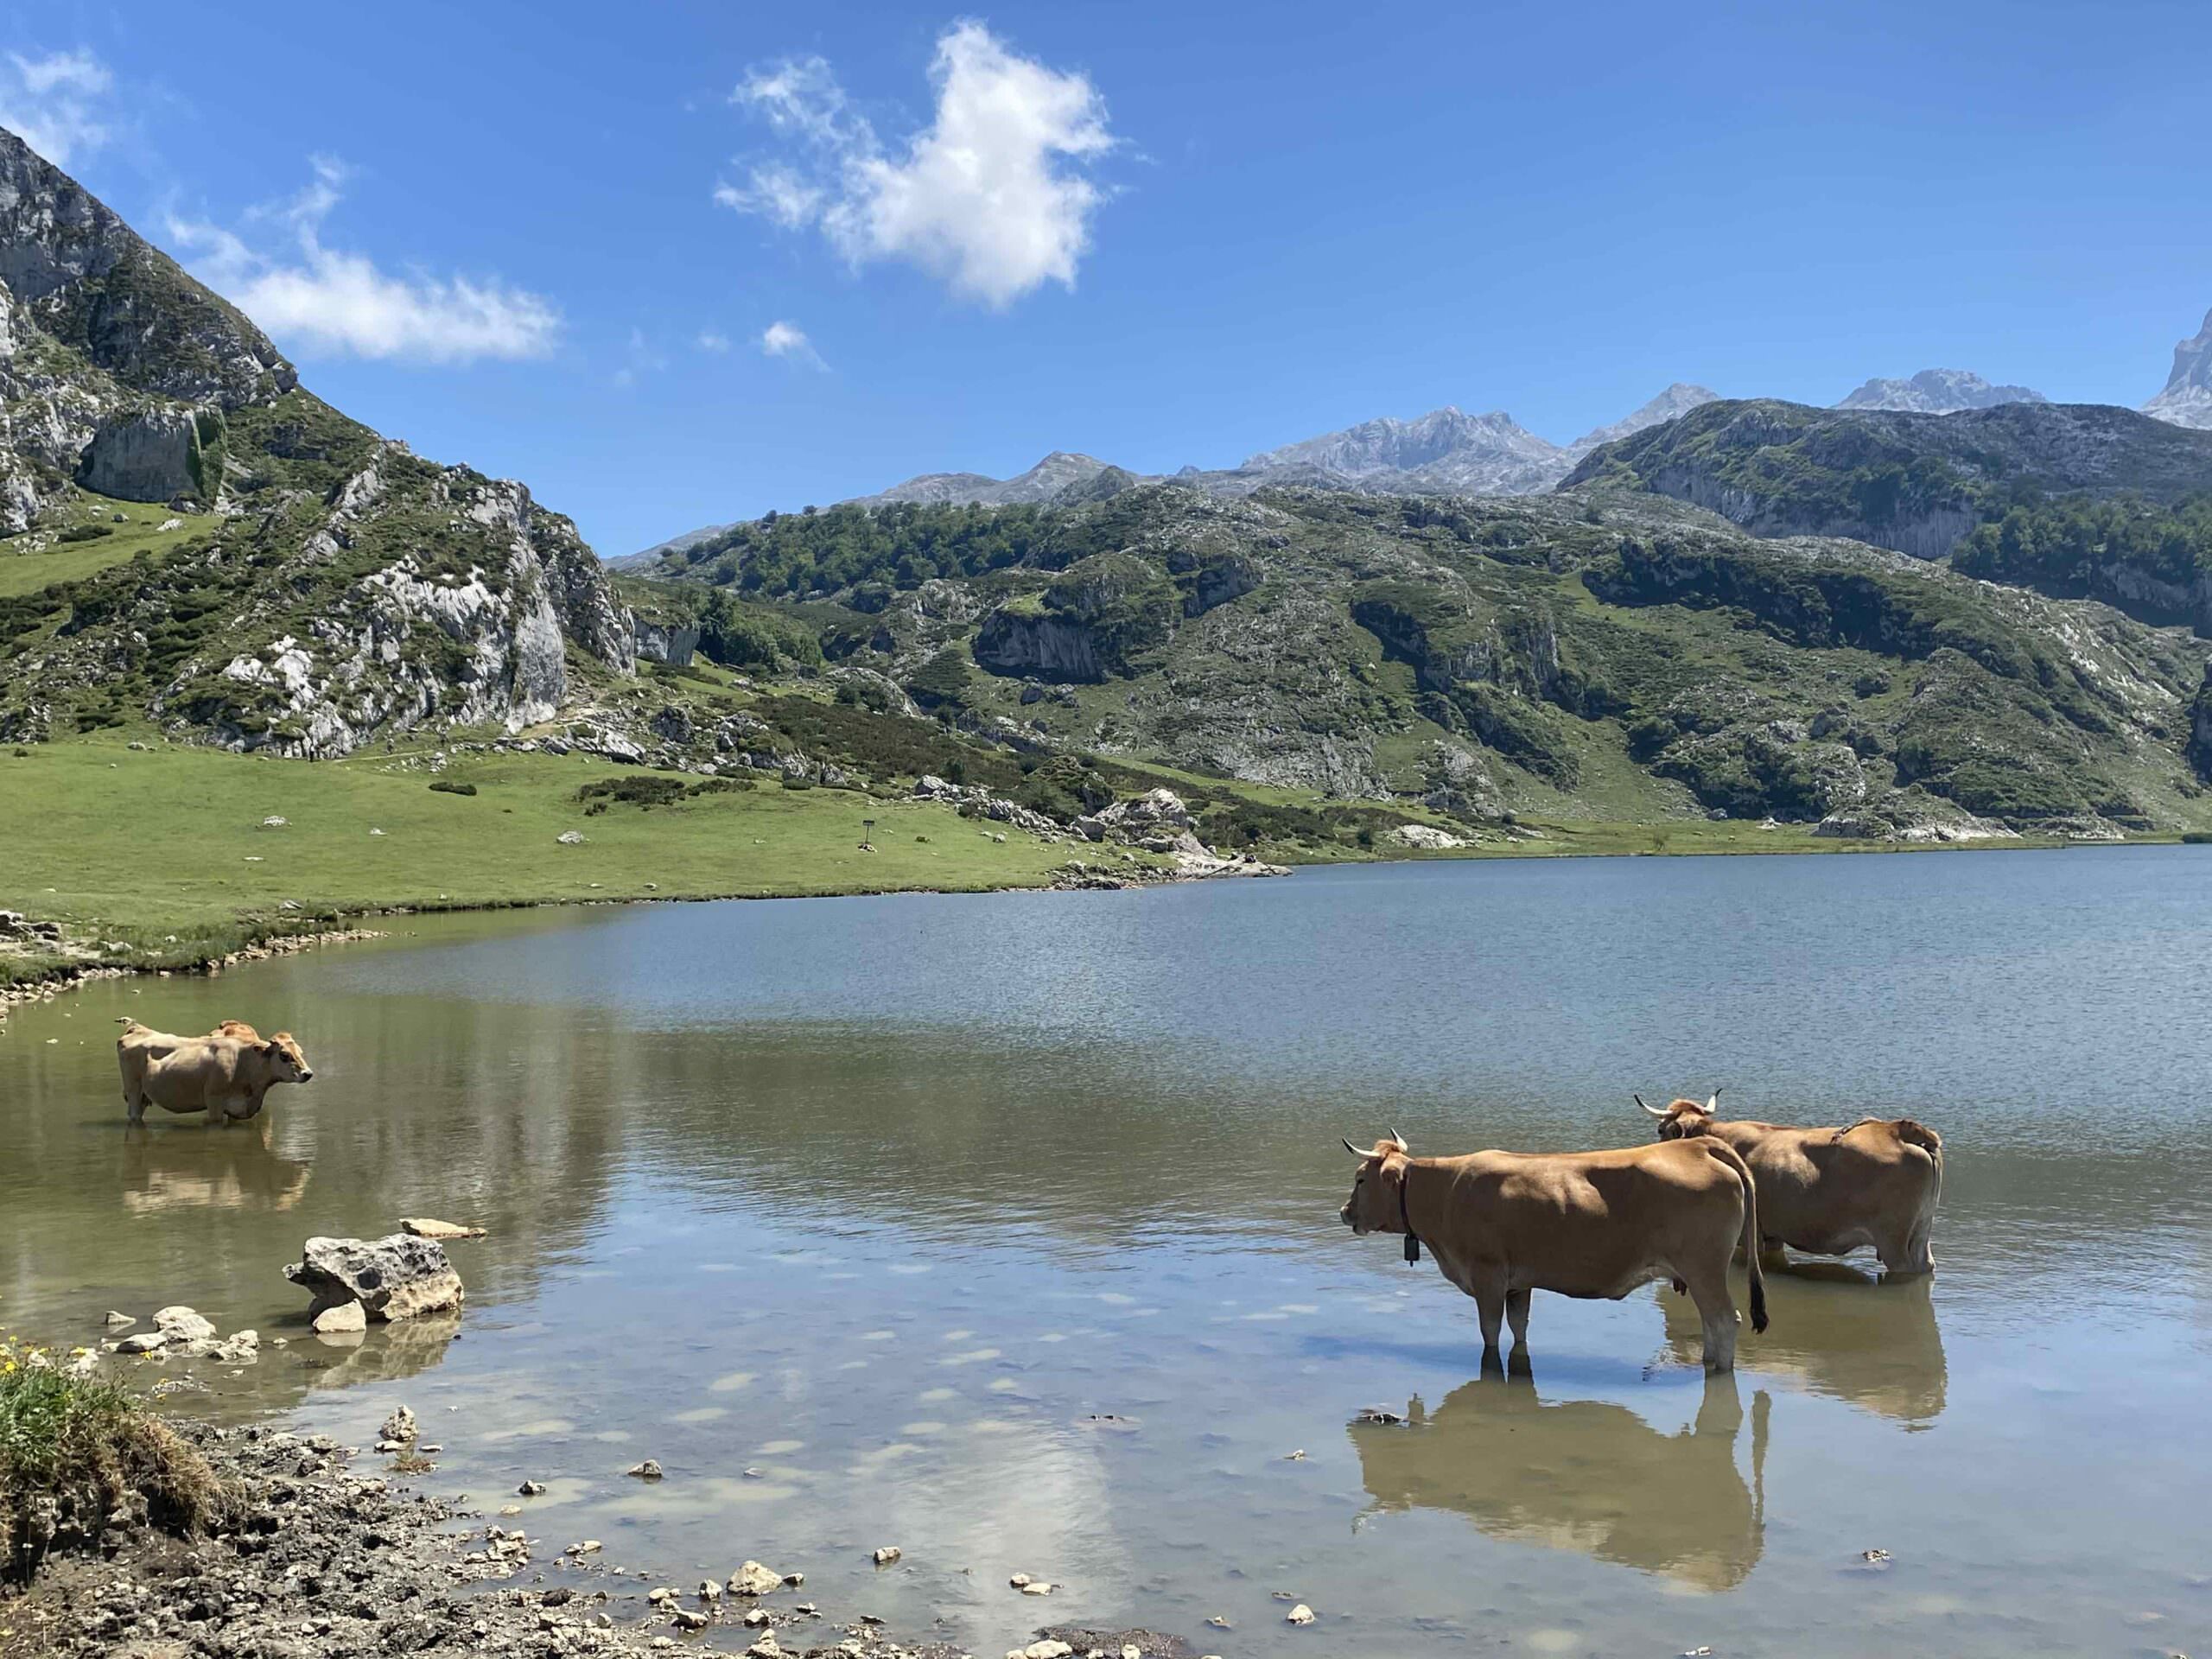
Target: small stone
{"x": 688, "y": 1620}
{"x": 767, "y": 1648}
{"x": 146, "y": 1342}
{"x": 1130, "y": 1651}
{"x": 754, "y": 1579}
{"x": 1218, "y": 1622}
{"x": 589, "y": 1547}
{"x": 792, "y": 1581}
{"x": 430, "y": 1227}
{"x": 887, "y": 1554}
{"x": 709, "y": 1591}
{"x": 1874, "y": 1557}
{"x": 1301, "y": 1614}
{"x": 1036, "y": 1587}
{"x": 532, "y": 1489}
{"x": 1047, "y": 1649}
{"x": 756, "y": 1616}
{"x": 660, "y": 1593}
{"x": 400, "y": 1426}
{"x": 119, "y": 1321}
{"x": 649, "y": 1470}
{"x": 1297, "y": 1456}
{"x": 511, "y": 1509}
{"x": 1019, "y": 1581}
{"x": 181, "y": 1324}
{"x": 570, "y": 837}
{"x": 347, "y": 1316}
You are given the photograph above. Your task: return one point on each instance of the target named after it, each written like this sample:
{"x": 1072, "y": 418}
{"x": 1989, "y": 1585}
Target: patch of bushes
{"x": 646, "y": 790}
{"x": 73, "y": 1451}
{"x": 446, "y": 786}
{"x": 85, "y": 533}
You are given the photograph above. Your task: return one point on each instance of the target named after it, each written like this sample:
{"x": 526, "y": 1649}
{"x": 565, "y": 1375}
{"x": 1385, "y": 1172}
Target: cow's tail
{"x": 1729, "y": 1156}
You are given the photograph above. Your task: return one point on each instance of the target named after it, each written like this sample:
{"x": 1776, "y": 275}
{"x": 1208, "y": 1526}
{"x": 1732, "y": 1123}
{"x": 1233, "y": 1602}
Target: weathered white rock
{"x": 400, "y": 1424}
{"x": 1301, "y": 1614}
{"x": 145, "y": 1342}
{"x": 1426, "y": 837}
{"x": 754, "y": 1579}
{"x": 119, "y": 1321}
{"x": 887, "y": 1554}
{"x": 341, "y": 1317}
{"x": 395, "y": 1278}
{"x": 181, "y": 1324}
{"x": 649, "y": 1470}
{"x": 444, "y": 1231}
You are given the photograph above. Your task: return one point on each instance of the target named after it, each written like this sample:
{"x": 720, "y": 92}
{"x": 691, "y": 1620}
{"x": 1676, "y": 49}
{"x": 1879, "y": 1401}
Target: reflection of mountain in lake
{"x": 1583, "y": 1475}
{"x": 1841, "y": 1333}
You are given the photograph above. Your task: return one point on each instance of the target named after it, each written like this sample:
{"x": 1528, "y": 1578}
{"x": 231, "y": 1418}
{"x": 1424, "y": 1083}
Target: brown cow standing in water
{"x": 227, "y": 1074}
{"x": 1829, "y": 1191}
{"x": 1586, "y": 1224}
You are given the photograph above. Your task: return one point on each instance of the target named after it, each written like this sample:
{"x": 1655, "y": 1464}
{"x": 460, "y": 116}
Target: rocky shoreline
{"x": 317, "y": 1558}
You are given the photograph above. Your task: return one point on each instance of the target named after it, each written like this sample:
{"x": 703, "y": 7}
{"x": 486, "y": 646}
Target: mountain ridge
{"x": 1937, "y": 391}
{"x": 315, "y": 585}
{"x": 2187, "y": 397}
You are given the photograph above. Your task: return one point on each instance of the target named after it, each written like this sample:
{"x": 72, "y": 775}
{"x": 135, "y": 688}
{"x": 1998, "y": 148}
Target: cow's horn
{"x": 1399, "y": 1139}
{"x": 1351, "y": 1149}
{"x": 1654, "y": 1110}
{"x": 1712, "y": 1101}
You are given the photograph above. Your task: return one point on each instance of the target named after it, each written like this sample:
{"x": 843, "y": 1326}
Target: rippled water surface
{"x": 1002, "y": 1228}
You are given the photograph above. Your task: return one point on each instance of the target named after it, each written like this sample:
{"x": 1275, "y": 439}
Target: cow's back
{"x": 1595, "y": 1223}
{"x": 1832, "y": 1189}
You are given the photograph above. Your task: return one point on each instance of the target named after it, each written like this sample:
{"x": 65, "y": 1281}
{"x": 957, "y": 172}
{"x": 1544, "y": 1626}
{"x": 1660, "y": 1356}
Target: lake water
{"x": 1004, "y": 1229}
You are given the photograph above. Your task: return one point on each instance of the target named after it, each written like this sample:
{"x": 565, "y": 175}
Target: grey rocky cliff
{"x": 1678, "y": 399}
{"x": 153, "y": 454}
{"x": 92, "y": 283}
{"x": 2187, "y": 399}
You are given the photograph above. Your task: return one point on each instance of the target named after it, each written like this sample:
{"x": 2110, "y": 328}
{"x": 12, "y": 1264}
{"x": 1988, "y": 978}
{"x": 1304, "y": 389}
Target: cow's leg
{"x": 1717, "y": 1313}
{"x": 1489, "y": 1306}
{"x": 1516, "y": 1315}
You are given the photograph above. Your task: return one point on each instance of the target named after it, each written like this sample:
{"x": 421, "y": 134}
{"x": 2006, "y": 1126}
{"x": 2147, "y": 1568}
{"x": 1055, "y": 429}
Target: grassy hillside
{"x": 1598, "y": 657}
{"x": 1916, "y": 483}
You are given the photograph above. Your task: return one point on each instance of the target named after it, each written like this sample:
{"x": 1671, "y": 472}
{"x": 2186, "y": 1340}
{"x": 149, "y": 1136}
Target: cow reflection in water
{"x": 1584, "y": 1475}
{"x": 1841, "y": 1332}
{"x": 165, "y": 1170}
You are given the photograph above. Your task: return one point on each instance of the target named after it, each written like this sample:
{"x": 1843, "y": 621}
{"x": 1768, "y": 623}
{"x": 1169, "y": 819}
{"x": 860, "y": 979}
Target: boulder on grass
{"x": 393, "y": 1278}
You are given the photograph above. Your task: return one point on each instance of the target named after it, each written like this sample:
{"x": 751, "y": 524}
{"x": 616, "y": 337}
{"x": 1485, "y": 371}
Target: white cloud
{"x": 788, "y": 340}
{"x": 53, "y": 103}
{"x": 320, "y": 299}
{"x": 989, "y": 197}
{"x": 713, "y": 340}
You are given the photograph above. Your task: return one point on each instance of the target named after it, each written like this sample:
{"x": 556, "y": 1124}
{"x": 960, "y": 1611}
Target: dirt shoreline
{"x": 321, "y": 1557}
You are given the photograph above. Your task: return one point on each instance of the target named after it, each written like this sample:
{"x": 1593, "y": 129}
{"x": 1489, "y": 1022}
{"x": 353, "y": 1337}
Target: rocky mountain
{"x": 313, "y": 584}
{"x": 1678, "y": 399}
{"x": 1597, "y": 654}
{"x": 1059, "y": 471}
{"x": 1938, "y": 391}
{"x": 2187, "y": 399}
{"x": 1916, "y": 483}
{"x": 1441, "y": 452}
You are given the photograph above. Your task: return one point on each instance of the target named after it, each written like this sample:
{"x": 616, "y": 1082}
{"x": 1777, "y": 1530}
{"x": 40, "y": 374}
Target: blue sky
{"x": 677, "y": 263}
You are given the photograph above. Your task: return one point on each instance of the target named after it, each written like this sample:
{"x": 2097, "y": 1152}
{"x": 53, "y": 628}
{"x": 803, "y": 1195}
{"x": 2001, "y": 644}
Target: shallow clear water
{"x": 1002, "y": 1228}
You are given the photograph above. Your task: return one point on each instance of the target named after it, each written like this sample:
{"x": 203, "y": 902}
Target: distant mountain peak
{"x": 2187, "y": 400}
{"x": 1677, "y": 400}
{"x": 1938, "y": 391}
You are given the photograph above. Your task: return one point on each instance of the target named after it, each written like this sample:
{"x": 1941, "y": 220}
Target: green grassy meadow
{"x": 140, "y": 531}
{"x": 162, "y": 850}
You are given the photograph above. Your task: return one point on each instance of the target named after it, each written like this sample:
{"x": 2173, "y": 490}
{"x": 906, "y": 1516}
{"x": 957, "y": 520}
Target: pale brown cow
{"x": 1829, "y": 1191}
{"x": 1585, "y": 1224}
{"x": 227, "y": 1074}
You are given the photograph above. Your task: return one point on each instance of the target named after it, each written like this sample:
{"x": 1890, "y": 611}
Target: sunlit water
{"x": 1002, "y": 1228}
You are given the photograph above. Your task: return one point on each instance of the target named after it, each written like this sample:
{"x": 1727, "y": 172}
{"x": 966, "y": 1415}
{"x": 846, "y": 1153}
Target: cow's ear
{"x": 274, "y": 1050}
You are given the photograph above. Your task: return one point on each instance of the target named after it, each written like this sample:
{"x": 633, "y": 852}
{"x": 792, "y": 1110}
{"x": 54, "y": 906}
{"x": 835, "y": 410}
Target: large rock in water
{"x": 394, "y": 1278}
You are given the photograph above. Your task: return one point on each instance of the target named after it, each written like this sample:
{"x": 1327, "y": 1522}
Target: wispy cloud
{"x": 712, "y": 340}
{"x": 645, "y": 358}
{"x": 788, "y": 340}
{"x": 55, "y": 102}
{"x": 318, "y": 299}
{"x": 989, "y": 197}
